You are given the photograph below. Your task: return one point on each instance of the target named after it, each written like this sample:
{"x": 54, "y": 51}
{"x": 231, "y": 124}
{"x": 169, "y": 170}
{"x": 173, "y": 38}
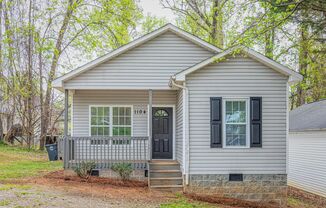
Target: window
{"x": 110, "y": 121}
{"x": 161, "y": 113}
{"x": 100, "y": 121}
{"x": 121, "y": 121}
{"x": 236, "y": 123}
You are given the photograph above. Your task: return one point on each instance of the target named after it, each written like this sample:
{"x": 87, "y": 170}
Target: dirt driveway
{"x": 55, "y": 192}
{"x": 16, "y": 195}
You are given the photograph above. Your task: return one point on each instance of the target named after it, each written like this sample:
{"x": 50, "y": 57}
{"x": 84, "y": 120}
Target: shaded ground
{"x": 40, "y": 196}
{"x": 301, "y": 199}
{"x": 27, "y": 179}
{"x": 17, "y": 162}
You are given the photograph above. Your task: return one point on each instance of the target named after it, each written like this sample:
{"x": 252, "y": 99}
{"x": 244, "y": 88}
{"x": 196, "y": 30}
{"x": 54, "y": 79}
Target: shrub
{"x": 85, "y": 169}
{"x": 123, "y": 169}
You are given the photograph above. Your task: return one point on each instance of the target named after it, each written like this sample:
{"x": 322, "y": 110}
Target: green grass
{"x": 17, "y": 162}
{"x": 6, "y": 187}
{"x": 4, "y": 203}
{"x": 183, "y": 202}
{"x": 300, "y": 203}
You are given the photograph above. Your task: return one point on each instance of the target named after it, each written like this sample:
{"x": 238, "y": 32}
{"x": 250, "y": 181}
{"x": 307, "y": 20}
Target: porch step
{"x": 164, "y": 166}
{"x": 174, "y": 188}
{"x": 165, "y": 175}
{"x": 166, "y": 181}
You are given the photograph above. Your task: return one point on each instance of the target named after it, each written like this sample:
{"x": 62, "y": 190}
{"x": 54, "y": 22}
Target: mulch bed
{"x": 303, "y": 195}
{"x": 59, "y": 175}
{"x": 229, "y": 201}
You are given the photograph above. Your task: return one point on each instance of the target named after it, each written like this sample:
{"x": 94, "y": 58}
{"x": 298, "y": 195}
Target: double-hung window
{"x": 110, "y": 121}
{"x": 100, "y": 121}
{"x": 236, "y": 125}
{"x": 121, "y": 121}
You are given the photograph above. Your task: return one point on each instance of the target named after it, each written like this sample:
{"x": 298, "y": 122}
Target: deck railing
{"x": 105, "y": 151}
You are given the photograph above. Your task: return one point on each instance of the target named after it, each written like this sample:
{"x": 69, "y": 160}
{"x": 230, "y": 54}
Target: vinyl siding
{"x": 82, "y": 99}
{"x": 179, "y": 127}
{"x": 307, "y": 157}
{"x": 237, "y": 77}
{"x": 148, "y": 66}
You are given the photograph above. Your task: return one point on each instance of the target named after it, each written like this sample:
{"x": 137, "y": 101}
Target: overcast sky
{"x": 154, "y": 7}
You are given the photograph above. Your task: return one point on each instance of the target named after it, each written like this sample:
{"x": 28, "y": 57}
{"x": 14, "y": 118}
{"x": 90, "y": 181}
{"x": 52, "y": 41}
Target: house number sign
{"x": 139, "y": 111}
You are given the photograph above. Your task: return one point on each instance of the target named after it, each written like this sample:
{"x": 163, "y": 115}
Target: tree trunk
{"x": 1, "y": 129}
{"x": 1, "y": 72}
{"x": 217, "y": 25}
{"x": 42, "y": 126}
{"x": 56, "y": 54}
{"x": 30, "y": 79}
{"x": 11, "y": 82}
{"x": 269, "y": 43}
{"x": 303, "y": 56}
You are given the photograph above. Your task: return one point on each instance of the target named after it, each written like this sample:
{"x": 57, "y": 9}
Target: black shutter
{"x": 255, "y": 122}
{"x": 216, "y": 122}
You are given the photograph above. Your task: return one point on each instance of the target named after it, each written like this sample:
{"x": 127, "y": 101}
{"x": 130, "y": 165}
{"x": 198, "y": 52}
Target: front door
{"x": 162, "y": 133}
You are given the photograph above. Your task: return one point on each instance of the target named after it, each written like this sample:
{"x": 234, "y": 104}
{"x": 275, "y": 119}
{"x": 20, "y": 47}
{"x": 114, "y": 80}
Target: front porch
{"x": 106, "y": 151}
{"x": 148, "y": 126}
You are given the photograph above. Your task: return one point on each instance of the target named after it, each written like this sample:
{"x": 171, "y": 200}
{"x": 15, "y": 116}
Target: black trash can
{"x": 52, "y": 150}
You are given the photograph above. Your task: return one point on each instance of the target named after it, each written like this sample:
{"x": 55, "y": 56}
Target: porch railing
{"x": 105, "y": 151}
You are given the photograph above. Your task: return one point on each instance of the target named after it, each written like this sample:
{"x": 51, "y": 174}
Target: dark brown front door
{"x": 162, "y": 133}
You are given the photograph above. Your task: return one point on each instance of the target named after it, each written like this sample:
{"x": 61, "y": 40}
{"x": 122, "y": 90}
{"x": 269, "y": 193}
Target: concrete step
{"x": 172, "y": 188}
{"x": 165, "y": 173}
{"x": 166, "y": 181}
{"x": 164, "y": 166}
{"x": 164, "y": 162}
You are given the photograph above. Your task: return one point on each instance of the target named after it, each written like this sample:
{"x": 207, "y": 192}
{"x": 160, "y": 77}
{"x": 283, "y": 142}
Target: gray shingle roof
{"x": 310, "y": 116}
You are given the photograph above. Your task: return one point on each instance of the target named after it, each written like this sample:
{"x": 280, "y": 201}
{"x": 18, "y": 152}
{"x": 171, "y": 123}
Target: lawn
{"x": 183, "y": 202}
{"x": 18, "y": 162}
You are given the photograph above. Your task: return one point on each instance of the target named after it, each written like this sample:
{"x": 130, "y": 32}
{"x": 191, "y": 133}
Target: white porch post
{"x": 65, "y": 146}
{"x": 150, "y": 103}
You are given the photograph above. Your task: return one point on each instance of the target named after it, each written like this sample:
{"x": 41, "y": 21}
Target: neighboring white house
{"x": 184, "y": 113}
{"x": 307, "y": 148}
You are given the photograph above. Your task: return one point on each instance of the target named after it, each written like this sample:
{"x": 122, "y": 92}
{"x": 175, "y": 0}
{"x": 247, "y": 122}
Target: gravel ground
{"x": 16, "y": 196}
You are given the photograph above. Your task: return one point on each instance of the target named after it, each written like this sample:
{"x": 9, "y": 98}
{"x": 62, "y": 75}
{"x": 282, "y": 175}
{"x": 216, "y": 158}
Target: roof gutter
{"x": 185, "y": 129}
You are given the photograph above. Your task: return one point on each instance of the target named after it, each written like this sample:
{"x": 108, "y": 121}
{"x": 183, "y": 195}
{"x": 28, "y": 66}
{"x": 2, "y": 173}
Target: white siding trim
{"x": 148, "y": 66}
{"x": 59, "y": 82}
{"x": 238, "y": 77}
{"x": 307, "y": 161}
{"x": 287, "y": 127}
{"x": 72, "y": 115}
{"x": 294, "y": 76}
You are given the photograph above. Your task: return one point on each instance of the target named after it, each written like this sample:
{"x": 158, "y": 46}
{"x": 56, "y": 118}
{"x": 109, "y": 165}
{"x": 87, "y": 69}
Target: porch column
{"x": 150, "y": 102}
{"x": 65, "y": 146}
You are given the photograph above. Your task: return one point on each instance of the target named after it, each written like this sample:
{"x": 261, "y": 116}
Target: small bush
{"x": 85, "y": 169}
{"x": 123, "y": 169}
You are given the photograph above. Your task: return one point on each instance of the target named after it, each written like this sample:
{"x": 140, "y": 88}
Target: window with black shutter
{"x": 216, "y": 122}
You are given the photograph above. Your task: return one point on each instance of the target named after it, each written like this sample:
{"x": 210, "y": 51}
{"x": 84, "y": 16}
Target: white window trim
{"x": 111, "y": 120}
{"x": 247, "y": 123}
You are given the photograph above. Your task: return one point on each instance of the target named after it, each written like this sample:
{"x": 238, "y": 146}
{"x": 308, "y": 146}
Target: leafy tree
{"x": 202, "y": 18}
{"x": 151, "y": 23}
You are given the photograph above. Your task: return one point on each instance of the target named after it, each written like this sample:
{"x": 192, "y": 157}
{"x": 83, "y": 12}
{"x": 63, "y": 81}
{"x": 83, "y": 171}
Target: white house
{"x": 307, "y": 148}
{"x": 187, "y": 113}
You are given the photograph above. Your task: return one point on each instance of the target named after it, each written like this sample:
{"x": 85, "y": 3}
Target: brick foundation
{"x": 136, "y": 174}
{"x": 254, "y": 187}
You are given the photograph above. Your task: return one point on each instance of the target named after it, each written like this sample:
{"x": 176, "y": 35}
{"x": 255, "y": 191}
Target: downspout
{"x": 185, "y": 132}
